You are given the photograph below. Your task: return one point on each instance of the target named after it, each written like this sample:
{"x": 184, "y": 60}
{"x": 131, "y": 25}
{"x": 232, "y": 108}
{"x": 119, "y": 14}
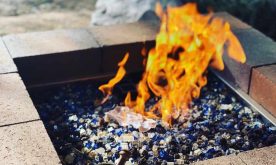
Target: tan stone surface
{"x": 125, "y": 33}
{"x": 271, "y": 153}
{"x": 223, "y": 160}
{"x": 263, "y": 87}
{"x": 15, "y": 103}
{"x": 26, "y": 144}
{"x": 6, "y": 62}
{"x": 49, "y": 42}
{"x": 262, "y": 156}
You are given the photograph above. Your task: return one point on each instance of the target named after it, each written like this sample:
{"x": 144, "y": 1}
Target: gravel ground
{"x": 217, "y": 124}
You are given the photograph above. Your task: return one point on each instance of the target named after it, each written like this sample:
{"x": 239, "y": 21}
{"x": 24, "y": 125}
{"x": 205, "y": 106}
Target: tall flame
{"x": 186, "y": 45}
{"x": 107, "y": 88}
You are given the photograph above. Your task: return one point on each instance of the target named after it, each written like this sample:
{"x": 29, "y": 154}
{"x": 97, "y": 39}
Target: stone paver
{"x": 263, "y": 156}
{"x": 124, "y": 33}
{"x": 49, "y": 42}
{"x": 270, "y": 152}
{"x": 223, "y": 160}
{"x": 117, "y": 40}
{"x": 26, "y": 144}
{"x": 263, "y": 87}
{"x": 6, "y": 63}
{"x": 15, "y": 103}
{"x": 53, "y": 56}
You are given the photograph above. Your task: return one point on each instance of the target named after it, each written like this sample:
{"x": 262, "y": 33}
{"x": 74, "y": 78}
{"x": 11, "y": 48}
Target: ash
{"x": 217, "y": 124}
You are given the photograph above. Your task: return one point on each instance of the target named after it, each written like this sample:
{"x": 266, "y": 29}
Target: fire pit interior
{"x": 218, "y": 123}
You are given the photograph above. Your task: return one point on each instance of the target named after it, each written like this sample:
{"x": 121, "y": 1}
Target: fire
{"x": 107, "y": 88}
{"x": 175, "y": 71}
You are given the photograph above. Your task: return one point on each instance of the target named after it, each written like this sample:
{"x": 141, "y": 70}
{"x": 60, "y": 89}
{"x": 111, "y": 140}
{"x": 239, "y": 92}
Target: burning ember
{"x": 175, "y": 70}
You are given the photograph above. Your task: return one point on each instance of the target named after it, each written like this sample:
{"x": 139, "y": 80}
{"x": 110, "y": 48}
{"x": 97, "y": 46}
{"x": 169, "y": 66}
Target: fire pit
{"x": 177, "y": 111}
{"x": 166, "y": 122}
{"x": 219, "y": 123}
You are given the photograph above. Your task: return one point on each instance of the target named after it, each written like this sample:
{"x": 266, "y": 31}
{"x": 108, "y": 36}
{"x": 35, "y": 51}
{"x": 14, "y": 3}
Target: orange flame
{"x": 186, "y": 45}
{"x": 107, "y": 88}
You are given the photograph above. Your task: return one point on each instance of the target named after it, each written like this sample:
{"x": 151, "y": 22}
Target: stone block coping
{"x": 6, "y": 63}
{"x": 15, "y": 104}
{"x": 263, "y": 87}
{"x": 26, "y": 143}
{"x": 52, "y": 56}
{"x": 262, "y": 156}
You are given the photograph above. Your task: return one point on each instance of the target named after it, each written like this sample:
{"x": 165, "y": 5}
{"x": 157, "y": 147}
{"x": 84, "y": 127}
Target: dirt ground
{"x": 61, "y": 15}
{"x": 43, "y": 21}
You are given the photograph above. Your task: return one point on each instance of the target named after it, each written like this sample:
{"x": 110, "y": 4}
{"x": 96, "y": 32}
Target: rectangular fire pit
{"x": 62, "y": 78}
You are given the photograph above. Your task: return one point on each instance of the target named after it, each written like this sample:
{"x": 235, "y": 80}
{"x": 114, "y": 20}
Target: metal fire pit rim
{"x": 248, "y": 100}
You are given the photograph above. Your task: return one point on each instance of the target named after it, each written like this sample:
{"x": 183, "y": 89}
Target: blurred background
{"x": 18, "y": 16}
